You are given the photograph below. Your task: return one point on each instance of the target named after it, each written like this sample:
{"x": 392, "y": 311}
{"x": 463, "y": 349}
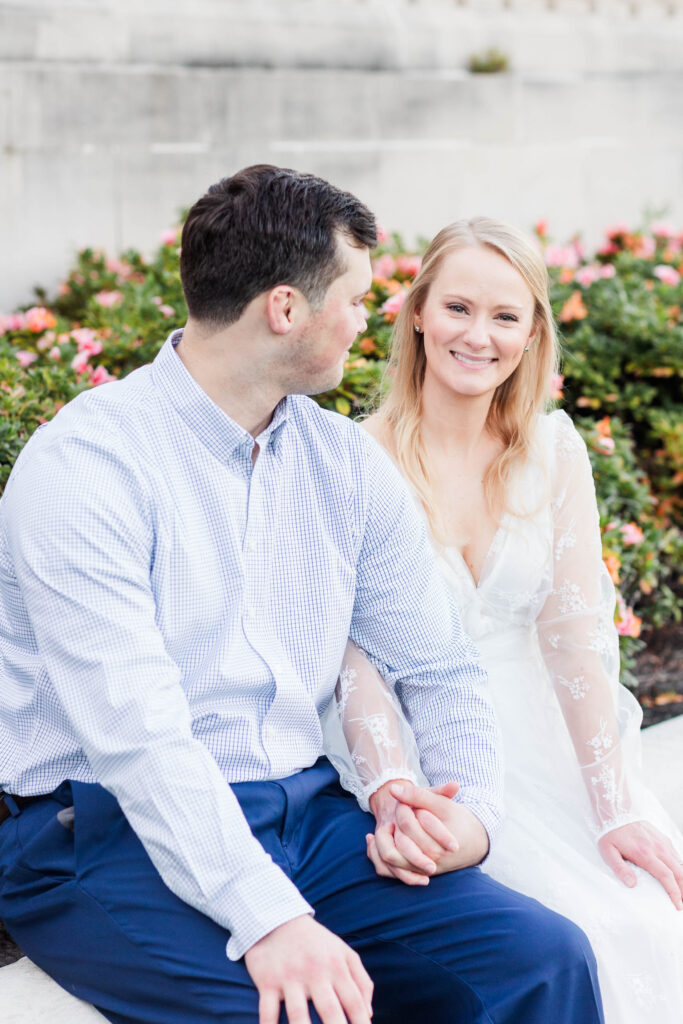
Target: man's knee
{"x": 553, "y": 940}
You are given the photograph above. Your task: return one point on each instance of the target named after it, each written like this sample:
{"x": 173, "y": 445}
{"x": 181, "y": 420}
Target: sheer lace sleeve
{"x": 366, "y": 736}
{"x": 578, "y": 638}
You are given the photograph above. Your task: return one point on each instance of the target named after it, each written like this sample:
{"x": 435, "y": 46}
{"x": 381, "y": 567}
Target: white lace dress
{"x": 542, "y": 617}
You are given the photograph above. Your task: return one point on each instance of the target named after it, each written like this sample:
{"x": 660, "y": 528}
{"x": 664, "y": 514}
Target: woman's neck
{"x": 454, "y": 425}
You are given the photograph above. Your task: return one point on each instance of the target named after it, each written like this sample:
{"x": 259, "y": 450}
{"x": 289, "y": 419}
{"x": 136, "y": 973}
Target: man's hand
{"x": 302, "y": 960}
{"x": 421, "y": 832}
{"x": 644, "y": 845}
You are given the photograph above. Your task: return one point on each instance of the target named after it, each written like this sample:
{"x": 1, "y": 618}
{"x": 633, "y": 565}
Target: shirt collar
{"x": 214, "y": 428}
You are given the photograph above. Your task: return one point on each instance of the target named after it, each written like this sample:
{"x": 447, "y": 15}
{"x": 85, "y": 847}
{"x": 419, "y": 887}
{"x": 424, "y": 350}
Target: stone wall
{"x": 114, "y": 115}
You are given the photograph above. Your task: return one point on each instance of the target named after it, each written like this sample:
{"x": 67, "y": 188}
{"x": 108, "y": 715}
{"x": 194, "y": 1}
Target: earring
{"x": 417, "y": 329}
{"x": 526, "y": 349}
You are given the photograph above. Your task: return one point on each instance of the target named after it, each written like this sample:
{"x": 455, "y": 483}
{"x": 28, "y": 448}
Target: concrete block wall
{"x": 113, "y": 115}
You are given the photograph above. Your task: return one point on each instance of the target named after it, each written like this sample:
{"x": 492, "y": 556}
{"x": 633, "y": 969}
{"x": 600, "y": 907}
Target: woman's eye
{"x": 509, "y": 318}
{"x": 457, "y": 307}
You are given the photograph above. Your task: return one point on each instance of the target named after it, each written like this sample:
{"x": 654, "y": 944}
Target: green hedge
{"x": 622, "y": 332}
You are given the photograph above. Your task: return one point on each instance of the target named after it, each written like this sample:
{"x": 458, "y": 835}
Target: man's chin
{"x": 321, "y": 384}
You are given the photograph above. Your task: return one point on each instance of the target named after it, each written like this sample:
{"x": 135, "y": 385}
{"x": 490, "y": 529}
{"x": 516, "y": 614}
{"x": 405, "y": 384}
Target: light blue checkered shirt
{"x": 173, "y": 618}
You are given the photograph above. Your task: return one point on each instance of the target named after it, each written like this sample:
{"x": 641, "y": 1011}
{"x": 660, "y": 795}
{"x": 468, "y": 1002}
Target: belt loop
{"x": 10, "y": 804}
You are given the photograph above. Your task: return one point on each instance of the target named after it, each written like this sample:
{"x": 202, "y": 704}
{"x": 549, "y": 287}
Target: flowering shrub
{"x": 622, "y": 328}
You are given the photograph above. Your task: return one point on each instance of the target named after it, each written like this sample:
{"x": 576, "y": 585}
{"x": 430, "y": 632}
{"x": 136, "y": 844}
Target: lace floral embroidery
{"x": 571, "y": 598}
{"x": 345, "y": 687}
{"x": 554, "y": 640}
{"x": 602, "y": 742}
{"x": 566, "y": 541}
{"x": 599, "y": 639}
{"x": 577, "y": 687}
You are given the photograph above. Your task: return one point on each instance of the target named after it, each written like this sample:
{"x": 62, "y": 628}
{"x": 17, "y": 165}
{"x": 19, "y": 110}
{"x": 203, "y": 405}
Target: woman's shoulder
{"x": 559, "y": 436}
{"x": 378, "y": 428}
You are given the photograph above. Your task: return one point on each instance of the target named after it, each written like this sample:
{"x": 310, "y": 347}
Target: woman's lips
{"x": 475, "y": 362}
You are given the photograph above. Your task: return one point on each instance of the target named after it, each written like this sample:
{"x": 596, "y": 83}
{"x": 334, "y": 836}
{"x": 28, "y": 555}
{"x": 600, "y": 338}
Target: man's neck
{"x": 226, "y": 365}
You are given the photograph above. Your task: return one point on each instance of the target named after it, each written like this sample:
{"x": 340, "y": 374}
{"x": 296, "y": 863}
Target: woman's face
{"x": 477, "y": 320}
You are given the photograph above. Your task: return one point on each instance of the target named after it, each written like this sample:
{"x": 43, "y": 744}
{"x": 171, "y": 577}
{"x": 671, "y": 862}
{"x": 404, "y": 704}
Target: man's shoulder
{"x": 326, "y": 426}
{"x": 106, "y": 418}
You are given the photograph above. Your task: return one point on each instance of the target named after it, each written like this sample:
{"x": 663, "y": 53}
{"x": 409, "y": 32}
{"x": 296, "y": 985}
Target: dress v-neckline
{"x": 490, "y": 554}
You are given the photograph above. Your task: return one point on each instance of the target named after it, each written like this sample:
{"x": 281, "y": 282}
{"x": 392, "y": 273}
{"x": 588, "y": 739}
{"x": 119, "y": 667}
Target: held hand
{"x": 301, "y": 961}
{"x": 644, "y": 845}
{"x": 421, "y": 832}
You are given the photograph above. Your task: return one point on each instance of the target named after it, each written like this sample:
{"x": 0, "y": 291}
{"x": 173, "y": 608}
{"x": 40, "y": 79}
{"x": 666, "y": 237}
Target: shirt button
{"x": 277, "y": 666}
{"x": 249, "y": 612}
{"x": 250, "y": 545}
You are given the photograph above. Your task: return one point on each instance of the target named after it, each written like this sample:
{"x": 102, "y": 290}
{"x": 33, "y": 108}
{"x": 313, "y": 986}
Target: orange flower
{"x": 613, "y": 563}
{"x": 367, "y": 345}
{"x": 39, "y": 319}
{"x": 603, "y": 427}
{"x": 574, "y": 308}
{"x": 566, "y": 275}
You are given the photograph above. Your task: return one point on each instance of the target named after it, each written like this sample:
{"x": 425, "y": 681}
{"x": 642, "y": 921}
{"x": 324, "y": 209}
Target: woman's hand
{"x": 644, "y": 845}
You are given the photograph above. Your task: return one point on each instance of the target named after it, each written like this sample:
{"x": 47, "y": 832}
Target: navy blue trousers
{"x": 88, "y": 906}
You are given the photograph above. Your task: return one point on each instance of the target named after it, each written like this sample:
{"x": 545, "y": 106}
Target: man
{"x": 184, "y": 556}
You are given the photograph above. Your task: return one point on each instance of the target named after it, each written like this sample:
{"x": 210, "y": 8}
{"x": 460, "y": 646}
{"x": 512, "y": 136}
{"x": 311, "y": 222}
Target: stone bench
{"x": 29, "y": 996}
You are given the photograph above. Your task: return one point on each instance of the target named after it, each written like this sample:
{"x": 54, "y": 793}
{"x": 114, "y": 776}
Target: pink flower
{"x": 382, "y": 234}
{"x": 46, "y": 341}
{"x": 662, "y": 229}
{"x": 385, "y": 266}
{"x": 55, "y": 353}
{"x": 79, "y": 363}
{"x": 107, "y": 299}
{"x": 627, "y": 623}
{"x": 608, "y": 270}
{"x": 392, "y": 307}
{"x": 620, "y": 228}
{"x": 541, "y": 227}
{"x": 631, "y": 534}
{"x": 585, "y": 276}
{"x": 605, "y": 445}
{"x": 169, "y": 236}
{"x": 39, "y": 319}
{"x": 556, "y": 385}
{"x": 645, "y": 247}
{"x": 87, "y": 341}
{"x": 64, "y": 288}
{"x": 25, "y": 358}
{"x": 667, "y": 274}
{"x": 608, "y": 249}
{"x": 561, "y": 256}
{"x": 100, "y": 376}
{"x": 409, "y": 265}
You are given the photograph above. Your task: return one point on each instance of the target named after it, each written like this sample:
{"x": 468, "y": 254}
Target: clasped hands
{"x": 422, "y": 832}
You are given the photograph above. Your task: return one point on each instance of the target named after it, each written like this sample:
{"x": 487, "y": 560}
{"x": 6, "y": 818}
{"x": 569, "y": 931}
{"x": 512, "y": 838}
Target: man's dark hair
{"x": 262, "y": 227}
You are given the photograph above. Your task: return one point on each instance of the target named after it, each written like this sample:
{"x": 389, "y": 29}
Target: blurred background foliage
{"x": 621, "y": 324}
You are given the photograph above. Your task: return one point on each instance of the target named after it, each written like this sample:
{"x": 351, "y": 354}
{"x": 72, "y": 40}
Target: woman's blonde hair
{"x": 516, "y": 402}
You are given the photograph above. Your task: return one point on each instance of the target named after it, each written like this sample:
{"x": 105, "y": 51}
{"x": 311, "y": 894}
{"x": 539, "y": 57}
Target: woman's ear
{"x": 282, "y": 308}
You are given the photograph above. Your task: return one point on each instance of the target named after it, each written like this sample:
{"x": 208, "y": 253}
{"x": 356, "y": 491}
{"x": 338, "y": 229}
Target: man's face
{"x": 328, "y": 334}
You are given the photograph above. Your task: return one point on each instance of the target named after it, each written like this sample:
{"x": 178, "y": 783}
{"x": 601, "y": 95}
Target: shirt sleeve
{"x": 406, "y": 621}
{"x": 80, "y": 531}
{"x": 578, "y": 638}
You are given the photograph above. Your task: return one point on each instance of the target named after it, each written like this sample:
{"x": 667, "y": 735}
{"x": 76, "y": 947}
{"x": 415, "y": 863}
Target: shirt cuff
{"x": 259, "y": 902}
{"x": 488, "y": 814}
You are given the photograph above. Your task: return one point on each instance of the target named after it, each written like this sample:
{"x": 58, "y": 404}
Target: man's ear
{"x": 283, "y": 308}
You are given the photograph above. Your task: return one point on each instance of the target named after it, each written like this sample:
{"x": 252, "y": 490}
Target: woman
{"x": 509, "y": 498}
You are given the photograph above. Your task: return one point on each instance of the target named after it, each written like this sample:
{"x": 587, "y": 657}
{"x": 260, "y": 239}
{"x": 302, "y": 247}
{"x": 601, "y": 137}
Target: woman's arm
{"x": 580, "y": 647}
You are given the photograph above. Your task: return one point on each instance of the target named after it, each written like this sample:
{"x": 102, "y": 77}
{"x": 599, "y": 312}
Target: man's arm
{"x": 80, "y": 534}
{"x": 407, "y": 623}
